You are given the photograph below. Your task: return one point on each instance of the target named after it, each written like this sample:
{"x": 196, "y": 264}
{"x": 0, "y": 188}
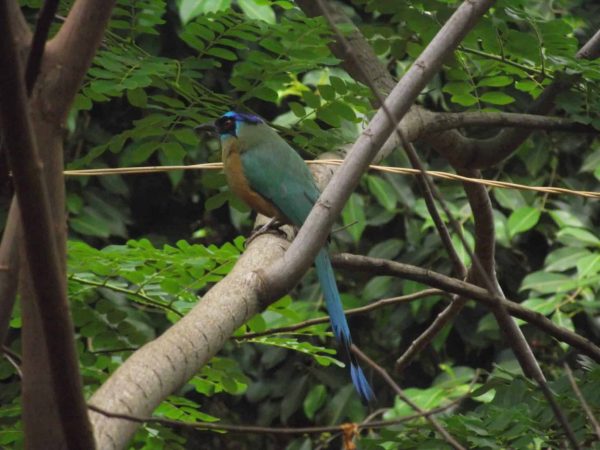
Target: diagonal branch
{"x": 591, "y": 50}
{"x": 281, "y": 275}
{"x": 400, "y": 393}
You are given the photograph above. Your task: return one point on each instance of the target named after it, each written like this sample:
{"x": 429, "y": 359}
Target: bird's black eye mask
{"x": 225, "y": 125}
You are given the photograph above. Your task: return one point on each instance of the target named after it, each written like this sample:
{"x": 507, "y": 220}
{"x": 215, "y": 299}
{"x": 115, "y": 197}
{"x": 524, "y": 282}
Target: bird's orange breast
{"x": 238, "y": 182}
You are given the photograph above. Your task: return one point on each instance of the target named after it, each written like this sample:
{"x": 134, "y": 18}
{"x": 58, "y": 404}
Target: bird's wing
{"x": 277, "y": 172}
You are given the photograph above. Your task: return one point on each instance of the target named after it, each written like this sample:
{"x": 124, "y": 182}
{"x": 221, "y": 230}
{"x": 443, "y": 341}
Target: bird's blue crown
{"x": 243, "y": 117}
{"x": 229, "y": 123}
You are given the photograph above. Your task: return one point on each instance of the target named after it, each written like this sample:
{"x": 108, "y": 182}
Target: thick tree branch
{"x": 40, "y": 246}
{"x": 21, "y": 32}
{"x": 469, "y": 153}
{"x": 69, "y": 54}
{"x": 283, "y": 274}
{"x": 448, "y": 121}
{"x": 430, "y": 278}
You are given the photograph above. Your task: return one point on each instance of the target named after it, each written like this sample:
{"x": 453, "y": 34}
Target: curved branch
{"x": 469, "y": 153}
{"x": 448, "y": 121}
{"x": 433, "y": 279}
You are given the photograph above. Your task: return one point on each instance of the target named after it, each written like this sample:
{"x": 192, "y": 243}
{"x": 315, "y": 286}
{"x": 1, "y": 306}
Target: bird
{"x": 265, "y": 172}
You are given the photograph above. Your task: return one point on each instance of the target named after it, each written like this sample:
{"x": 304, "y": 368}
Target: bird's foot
{"x": 272, "y": 225}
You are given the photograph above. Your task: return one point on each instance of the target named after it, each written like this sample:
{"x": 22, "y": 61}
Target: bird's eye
{"x": 225, "y": 125}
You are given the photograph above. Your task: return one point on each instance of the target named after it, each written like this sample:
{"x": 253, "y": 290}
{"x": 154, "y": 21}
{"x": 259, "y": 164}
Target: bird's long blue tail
{"x": 339, "y": 323}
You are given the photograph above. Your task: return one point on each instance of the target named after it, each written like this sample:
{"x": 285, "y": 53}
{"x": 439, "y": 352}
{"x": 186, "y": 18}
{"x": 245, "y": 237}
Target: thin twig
{"x": 581, "y": 398}
{"x": 147, "y": 301}
{"x": 269, "y": 430}
{"x": 400, "y": 393}
{"x": 349, "y": 312}
{"x": 442, "y": 319}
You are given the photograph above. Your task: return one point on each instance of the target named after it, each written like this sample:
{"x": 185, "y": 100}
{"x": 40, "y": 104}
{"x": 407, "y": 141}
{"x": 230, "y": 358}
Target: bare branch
{"x": 376, "y": 73}
{"x": 581, "y": 398}
{"x": 40, "y": 246}
{"x": 400, "y": 393}
{"x": 591, "y": 50}
{"x": 468, "y": 153}
{"x": 423, "y": 340}
{"x": 367, "y": 425}
{"x": 448, "y": 121}
{"x": 349, "y": 312}
{"x": 377, "y": 266}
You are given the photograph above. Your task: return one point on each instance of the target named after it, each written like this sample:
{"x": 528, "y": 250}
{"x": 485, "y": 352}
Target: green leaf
{"x": 578, "y": 237}
{"x": 137, "y": 97}
{"x": 588, "y": 265}
{"x": 256, "y": 9}
{"x": 319, "y": 354}
{"x": 497, "y": 81}
{"x": 464, "y": 99}
{"x": 314, "y": 400}
{"x": 564, "y": 258}
{"x": 353, "y": 217}
{"x": 189, "y": 9}
{"x": 548, "y": 282}
{"x": 222, "y": 53}
{"x": 496, "y": 98}
{"x": 545, "y": 306}
{"x": 382, "y": 191}
{"x": 522, "y": 219}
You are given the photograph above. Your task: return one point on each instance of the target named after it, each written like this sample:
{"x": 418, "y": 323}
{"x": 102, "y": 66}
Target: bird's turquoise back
{"x": 278, "y": 173}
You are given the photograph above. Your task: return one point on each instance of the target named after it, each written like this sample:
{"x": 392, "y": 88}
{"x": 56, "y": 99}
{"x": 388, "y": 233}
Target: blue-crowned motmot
{"x": 267, "y": 174}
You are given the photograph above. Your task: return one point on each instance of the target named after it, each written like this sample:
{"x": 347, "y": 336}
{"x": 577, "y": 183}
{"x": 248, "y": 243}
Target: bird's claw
{"x": 272, "y": 226}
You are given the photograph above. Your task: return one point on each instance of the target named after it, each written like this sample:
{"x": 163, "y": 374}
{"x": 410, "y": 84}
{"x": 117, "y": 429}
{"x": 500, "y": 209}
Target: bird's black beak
{"x": 208, "y": 127}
